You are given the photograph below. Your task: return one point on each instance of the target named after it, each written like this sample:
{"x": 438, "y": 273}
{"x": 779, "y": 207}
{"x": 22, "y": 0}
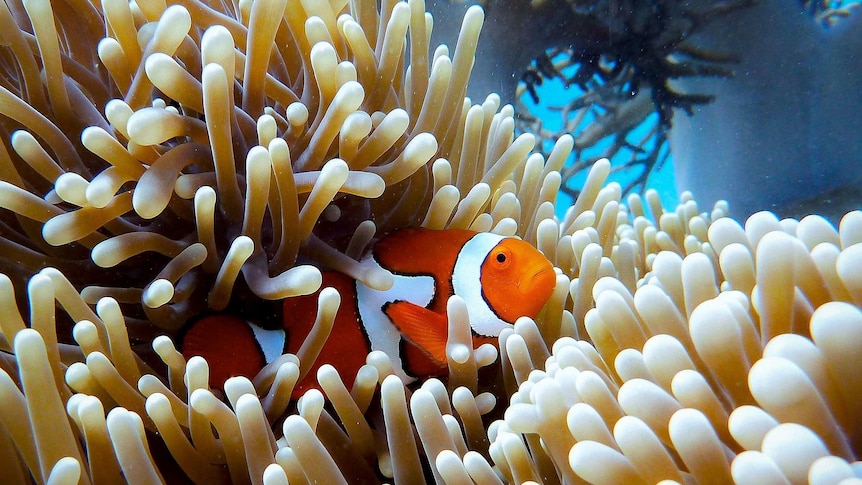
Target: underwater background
{"x": 660, "y": 179}
{"x": 757, "y": 102}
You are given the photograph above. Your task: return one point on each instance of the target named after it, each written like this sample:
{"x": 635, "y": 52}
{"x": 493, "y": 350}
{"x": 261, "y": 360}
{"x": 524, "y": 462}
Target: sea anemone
{"x": 238, "y": 142}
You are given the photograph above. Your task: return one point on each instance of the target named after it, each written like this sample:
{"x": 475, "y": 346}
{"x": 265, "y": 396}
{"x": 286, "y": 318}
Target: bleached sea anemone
{"x": 154, "y": 153}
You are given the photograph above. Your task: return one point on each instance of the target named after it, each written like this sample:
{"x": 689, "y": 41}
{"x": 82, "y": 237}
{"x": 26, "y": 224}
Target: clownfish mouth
{"x": 543, "y": 279}
{"x": 544, "y": 273}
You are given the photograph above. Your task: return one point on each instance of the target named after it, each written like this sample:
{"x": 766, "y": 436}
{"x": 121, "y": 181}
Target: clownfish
{"x": 499, "y": 278}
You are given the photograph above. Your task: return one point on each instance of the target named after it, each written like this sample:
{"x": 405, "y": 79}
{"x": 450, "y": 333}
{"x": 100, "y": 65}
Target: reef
{"x": 692, "y": 78}
{"x": 214, "y": 156}
{"x": 621, "y": 63}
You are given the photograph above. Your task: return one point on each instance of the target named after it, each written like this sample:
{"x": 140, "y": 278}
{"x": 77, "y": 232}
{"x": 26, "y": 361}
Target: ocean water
{"x": 553, "y": 94}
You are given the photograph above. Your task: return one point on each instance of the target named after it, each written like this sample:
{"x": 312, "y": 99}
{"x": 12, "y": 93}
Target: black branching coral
{"x": 624, "y": 58}
{"x": 626, "y": 45}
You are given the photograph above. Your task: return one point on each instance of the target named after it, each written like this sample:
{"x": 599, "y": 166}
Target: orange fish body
{"x": 499, "y": 278}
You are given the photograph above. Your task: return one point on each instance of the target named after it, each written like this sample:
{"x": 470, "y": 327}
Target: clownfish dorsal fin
{"x": 426, "y": 329}
{"x": 418, "y": 251}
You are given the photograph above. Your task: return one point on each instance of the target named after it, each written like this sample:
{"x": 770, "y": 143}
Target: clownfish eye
{"x": 502, "y": 257}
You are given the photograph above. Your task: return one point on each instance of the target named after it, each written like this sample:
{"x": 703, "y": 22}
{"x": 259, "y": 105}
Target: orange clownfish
{"x": 500, "y": 279}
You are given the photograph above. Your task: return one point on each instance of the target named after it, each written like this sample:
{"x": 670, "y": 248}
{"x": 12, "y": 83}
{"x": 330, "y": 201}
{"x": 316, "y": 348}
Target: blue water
{"x": 554, "y": 93}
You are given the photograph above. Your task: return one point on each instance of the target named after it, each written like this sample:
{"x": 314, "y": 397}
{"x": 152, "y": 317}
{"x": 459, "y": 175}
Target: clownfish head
{"x": 515, "y": 280}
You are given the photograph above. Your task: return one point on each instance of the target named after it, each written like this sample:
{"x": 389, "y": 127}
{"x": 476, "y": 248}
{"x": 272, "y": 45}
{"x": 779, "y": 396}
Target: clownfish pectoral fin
{"x": 424, "y": 328}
